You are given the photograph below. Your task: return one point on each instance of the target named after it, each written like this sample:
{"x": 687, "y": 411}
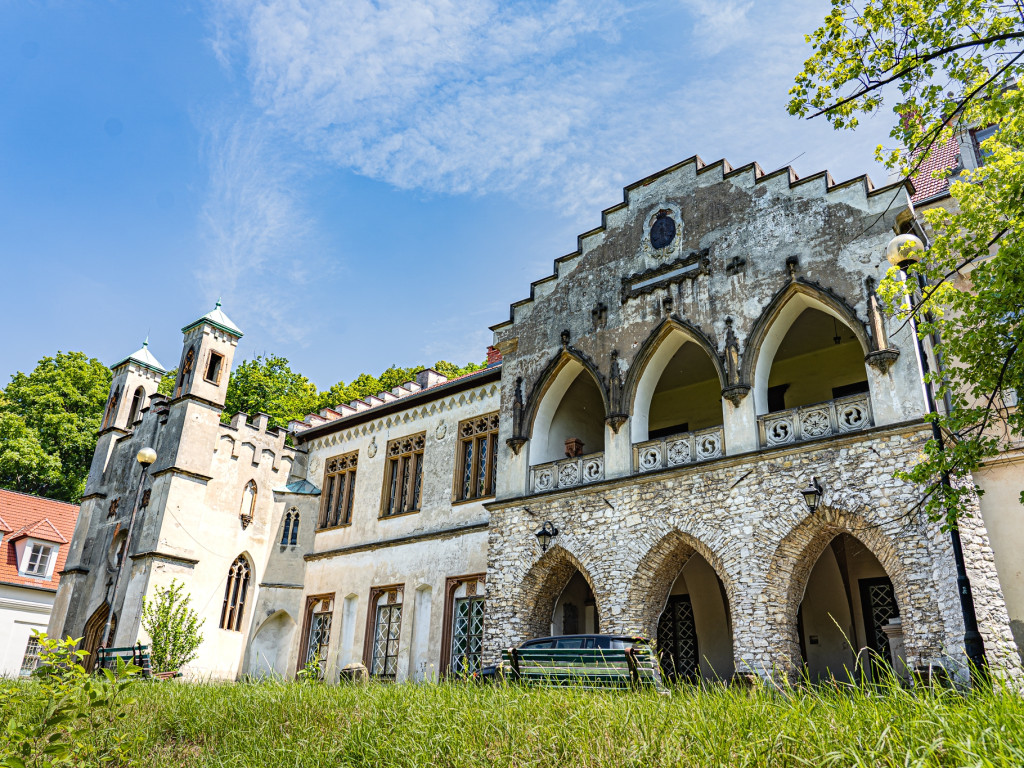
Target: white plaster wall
{"x": 21, "y": 611}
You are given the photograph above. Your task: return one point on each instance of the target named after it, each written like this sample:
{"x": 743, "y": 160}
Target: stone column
{"x": 897, "y": 648}
{"x": 618, "y": 451}
{"x": 740, "y": 424}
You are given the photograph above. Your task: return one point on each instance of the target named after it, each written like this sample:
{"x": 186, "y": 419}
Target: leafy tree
{"x": 24, "y": 463}
{"x": 950, "y": 66}
{"x": 173, "y": 628}
{"x": 61, "y": 407}
{"x": 452, "y": 371}
{"x": 269, "y": 385}
{"x": 167, "y": 382}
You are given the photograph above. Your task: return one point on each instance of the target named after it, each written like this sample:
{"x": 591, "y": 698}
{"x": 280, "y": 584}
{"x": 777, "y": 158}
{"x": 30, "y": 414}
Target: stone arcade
{"x": 662, "y": 399}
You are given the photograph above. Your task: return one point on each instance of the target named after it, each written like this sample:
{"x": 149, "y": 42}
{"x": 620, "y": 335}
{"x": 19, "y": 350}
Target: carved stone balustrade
{"x": 833, "y": 417}
{"x": 567, "y": 473}
{"x": 676, "y": 450}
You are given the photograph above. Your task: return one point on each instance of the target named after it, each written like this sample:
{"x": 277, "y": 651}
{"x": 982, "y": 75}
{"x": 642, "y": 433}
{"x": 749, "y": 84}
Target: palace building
{"x": 704, "y": 405}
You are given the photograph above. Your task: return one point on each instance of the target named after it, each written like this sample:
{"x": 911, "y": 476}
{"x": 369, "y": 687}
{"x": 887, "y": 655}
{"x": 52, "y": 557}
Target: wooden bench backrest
{"x": 586, "y": 667}
{"x": 132, "y": 654}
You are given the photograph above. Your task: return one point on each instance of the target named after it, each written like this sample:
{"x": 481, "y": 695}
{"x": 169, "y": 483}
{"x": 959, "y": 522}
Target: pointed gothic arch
{"x": 138, "y": 401}
{"x": 563, "y": 371}
{"x": 542, "y": 586}
{"x": 650, "y": 363}
{"x": 771, "y": 327}
{"x": 797, "y": 555}
{"x": 236, "y": 593}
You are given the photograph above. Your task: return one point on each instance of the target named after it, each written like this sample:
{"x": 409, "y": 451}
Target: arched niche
{"x": 799, "y": 328}
{"x": 679, "y": 388}
{"x": 571, "y": 406}
{"x": 270, "y": 649}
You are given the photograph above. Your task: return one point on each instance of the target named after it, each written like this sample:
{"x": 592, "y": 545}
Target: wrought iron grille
{"x": 677, "y": 640}
{"x": 385, "y": 641}
{"x": 467, "y": 635}
{"x": 879, "y": 604}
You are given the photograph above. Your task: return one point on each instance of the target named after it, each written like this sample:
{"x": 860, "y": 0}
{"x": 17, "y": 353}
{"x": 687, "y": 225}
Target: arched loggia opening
{"x": 694, "y": 630}
{"x": 677, "y": 413}
{"x": 569, "y": 424}
{"x": 848, "y": 602}
{"x": 810, "y": 378}
{"x": 576, "y": 609}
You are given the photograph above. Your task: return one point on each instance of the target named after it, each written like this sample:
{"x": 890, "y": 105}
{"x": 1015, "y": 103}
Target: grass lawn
{"x": 285, "y": 724}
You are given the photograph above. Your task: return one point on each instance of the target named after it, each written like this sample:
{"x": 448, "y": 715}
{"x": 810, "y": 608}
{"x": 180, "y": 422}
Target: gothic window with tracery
{"x": 321, "y": 613}
{"x": 477, "y": 458}
{"x": 339, "y": 490}
{"x": 403, "y": 480}
{"x": 290, "y": 534}
{"x": 234, "y": 595}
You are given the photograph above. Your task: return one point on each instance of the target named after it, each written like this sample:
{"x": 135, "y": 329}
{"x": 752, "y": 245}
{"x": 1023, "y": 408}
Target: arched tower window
{"x": 234, "y": 595}
{"x": 108, "y": 419}
{"x": 137, "y": 402}
{"x": 247, "y": 510}
{"x": 186, "y": 371}
{"x": 295, "y": 529}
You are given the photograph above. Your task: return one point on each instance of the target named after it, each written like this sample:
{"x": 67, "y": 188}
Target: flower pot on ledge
{"x": 573, "y": 447}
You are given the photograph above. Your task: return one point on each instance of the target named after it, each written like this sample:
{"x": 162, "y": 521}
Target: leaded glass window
{"x": 467, "y": 635}
{"x": 235, "y": 593}
{"x": 478, "y": 454}
{"x": 320, "y": 618}
{"x": 387, "y": 633}
{"x": 403, "y": 482}
{"x": 339, "y": 490}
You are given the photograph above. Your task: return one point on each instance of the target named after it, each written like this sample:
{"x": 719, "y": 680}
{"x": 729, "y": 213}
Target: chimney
{"x": 493, "y": 356}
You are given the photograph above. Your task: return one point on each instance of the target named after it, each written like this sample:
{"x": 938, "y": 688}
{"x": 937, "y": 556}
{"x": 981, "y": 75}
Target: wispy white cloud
{"x": 528, "y": 98}
{"x": 257, "y": 237}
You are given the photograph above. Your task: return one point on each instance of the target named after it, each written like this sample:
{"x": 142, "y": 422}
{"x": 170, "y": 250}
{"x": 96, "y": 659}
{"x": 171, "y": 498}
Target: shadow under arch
{"x": 268, "y": 653}
{"x": 650, "y": 362}
{"x": 770, "y": 329}
{"x": 661, "y": 565}
{"x": 795, "y": 557}
{"x": 542, "y": 586}
{"x": 549, "y": 390}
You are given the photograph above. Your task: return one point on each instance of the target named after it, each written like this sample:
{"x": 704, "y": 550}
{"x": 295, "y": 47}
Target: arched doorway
{"x": 576, "y": 609}
{"x": 694, "y": 635}
{"x": 848, "y": 602}
{"x": 93, "y": 634}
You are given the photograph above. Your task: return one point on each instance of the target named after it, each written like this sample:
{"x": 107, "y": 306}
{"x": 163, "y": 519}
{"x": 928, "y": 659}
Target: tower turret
{"x": 135, "y": 380}
{"x": 209, "y": 348}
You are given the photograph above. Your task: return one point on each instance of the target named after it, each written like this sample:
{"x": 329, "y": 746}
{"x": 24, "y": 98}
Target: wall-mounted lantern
{"x": 545, "y": 534}
{"x": 812, "y": 494}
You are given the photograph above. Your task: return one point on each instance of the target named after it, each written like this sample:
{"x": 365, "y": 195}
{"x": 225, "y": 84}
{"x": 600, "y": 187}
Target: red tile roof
{"x": 39, "y": 518}
{"x": 925, "y": 186}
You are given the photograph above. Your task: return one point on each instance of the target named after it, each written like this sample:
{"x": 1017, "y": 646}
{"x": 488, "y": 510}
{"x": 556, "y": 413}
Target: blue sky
{"x": 364, "y": 183}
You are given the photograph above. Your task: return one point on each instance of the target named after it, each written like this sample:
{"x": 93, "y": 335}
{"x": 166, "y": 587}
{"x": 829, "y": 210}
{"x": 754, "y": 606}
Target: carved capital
{"x": 882, "y": 359}
{"x": 735, "y": 393}
{"x": 616, "y": 420}
{"x": 516, "y": 443}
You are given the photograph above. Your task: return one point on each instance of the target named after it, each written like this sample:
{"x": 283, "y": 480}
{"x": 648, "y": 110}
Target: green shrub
{"x": 173, "y": 628}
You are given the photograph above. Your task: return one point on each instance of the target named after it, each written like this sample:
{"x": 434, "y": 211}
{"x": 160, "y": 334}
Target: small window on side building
{"x": 213, "y": 368}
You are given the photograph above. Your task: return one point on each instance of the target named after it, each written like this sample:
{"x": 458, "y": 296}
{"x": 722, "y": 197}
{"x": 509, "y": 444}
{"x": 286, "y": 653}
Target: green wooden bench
{"x": 138, "y": 654}
{"x": 584, "y": 667}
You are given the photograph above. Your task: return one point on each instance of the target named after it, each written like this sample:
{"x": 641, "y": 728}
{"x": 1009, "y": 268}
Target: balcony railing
{"x": 676, "y": 450}
{"x": 833, "y": 417}
{"x": 567, "y": 473}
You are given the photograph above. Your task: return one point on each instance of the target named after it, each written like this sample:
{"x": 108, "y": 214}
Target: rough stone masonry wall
{"x": 746, "y": 517}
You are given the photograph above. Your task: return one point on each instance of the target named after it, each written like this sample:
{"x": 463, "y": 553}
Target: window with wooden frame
{"x": 463, "y": 629}
{"x": 383, "y": 631}
{"x": 403, "y": 478}
{"x": 477, "y": 458}
{"x": 317, "y": 635}
{"x": 214, "y": 365}
{"x": 339, "y": 490}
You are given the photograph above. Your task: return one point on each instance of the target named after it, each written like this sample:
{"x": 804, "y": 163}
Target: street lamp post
{"x": 145, "y": 457}
{"x": 902, "y": 252}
